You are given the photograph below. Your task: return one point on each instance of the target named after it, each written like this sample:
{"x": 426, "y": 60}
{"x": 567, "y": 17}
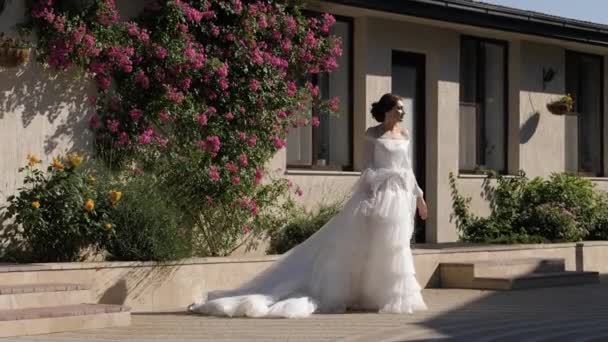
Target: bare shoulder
{"x": 373, "y": 132}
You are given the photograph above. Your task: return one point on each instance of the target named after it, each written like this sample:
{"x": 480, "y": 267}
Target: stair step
{"x": 36, "y": 321}
{"x": 33, "y": 288}
{"x": 10, "y": 267}
{"x": 25, "y": 274}
{"x": 43, "y": 295}
{"x": 60, "y": 311}
{"x": 536, "y": 280}
{"x": 507, "y": 267}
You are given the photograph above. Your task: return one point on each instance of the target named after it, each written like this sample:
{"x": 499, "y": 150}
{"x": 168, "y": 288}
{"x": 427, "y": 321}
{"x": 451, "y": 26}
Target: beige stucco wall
{"x": 542, "y": 133}
{"x": 44, "y": 112}
{"x": 41, "y": 111}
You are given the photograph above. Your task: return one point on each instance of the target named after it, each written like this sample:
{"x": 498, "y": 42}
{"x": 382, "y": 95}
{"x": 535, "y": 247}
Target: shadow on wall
{"x": 137, "y": 284}
{"x": 60, "y": 96}
{"x": 529, "y": 127}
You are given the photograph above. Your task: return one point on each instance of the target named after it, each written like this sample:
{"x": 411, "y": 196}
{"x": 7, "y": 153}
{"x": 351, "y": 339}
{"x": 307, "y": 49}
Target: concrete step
{"x": 508, "y": 267}
{"x": 518, "y": 267}
{"x": 512, "y": 274}
{"x": 43, "y": 295}
{"x": 537, "y": 280}
{"x": 37, "y": 321}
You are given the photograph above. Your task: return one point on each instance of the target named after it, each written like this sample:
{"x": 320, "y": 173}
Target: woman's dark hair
{"x": 385, "y": 104}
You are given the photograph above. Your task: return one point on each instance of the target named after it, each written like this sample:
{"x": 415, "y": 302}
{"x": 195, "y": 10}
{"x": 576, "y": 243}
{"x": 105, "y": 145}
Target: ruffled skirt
{"x": 360, "y": 259}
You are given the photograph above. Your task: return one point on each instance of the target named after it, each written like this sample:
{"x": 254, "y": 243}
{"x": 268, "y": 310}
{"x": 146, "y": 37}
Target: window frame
{"x": 570, "y": 54}
{"x": 480, "y": 143}
{"x": 315, "y": 108}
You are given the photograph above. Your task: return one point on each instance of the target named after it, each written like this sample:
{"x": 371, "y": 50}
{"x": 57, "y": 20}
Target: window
{"x": 328, "y": 146}
{"x": 483, "y": 105}
{"x": 584, "y": 83}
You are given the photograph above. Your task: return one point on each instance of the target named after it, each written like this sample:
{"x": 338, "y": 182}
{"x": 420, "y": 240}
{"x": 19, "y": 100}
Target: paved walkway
{"x": 556, "y": 314}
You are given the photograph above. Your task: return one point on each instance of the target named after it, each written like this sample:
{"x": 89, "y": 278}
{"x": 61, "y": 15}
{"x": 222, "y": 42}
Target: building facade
{"x": 476, "y": 80}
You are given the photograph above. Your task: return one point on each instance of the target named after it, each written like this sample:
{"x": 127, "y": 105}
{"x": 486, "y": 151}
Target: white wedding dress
{"x": 360, "y": 259}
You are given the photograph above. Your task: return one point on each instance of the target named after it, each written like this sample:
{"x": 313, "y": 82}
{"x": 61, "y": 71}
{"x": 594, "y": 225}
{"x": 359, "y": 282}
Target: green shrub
{"x": 599, "y": 229}
{"x": 301, "y": 227}
{"x": 576, "y": 194}
{"x": 224, "y": 218}
{"x": 561, "y": 208}
{"x": 146, "y": 225}
{"x": 553, "y": 222}
{"x": 57, "y": 214}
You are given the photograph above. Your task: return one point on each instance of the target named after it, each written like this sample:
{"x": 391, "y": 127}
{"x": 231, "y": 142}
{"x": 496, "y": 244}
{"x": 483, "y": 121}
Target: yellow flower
{"x": 57, "y": 164}
{"x": 74, "y": 159}
{"x": 114, "y": 196}
{"x": 108, "y": 226}
{"x": 36, "y": 204}
{"x": 89, "y": 205}
{"x": 32, "y": 160}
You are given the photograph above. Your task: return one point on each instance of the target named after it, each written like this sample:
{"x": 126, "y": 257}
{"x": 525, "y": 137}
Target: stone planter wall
{"x": 147, "y": 286}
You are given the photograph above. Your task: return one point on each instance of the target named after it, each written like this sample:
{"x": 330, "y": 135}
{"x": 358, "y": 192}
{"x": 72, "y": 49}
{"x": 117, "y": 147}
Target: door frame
{"x": 569, "y": 56}
{"x": 418, "y": 61}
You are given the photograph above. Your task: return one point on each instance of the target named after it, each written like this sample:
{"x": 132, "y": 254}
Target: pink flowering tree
{"x": 201, "y": 92}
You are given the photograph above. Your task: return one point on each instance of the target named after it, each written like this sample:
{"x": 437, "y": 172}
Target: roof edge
{"x": 491, "y": 16}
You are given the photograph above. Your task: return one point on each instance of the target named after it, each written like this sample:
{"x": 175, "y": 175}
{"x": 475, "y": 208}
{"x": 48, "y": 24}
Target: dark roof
{"x": 486, "y": 15}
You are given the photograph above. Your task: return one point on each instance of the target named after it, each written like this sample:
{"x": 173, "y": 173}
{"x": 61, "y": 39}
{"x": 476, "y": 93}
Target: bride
{"x": 360, "y": 259}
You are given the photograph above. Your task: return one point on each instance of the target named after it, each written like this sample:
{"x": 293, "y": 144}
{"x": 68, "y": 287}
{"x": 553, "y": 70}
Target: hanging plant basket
{"x": 559, "y": 108}
{"x": 562, "y": 106}
{"x": 11, "y": 57}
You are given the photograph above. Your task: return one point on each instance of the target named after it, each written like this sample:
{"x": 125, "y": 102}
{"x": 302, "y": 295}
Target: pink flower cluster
{"x": 192, "y": 14}
{"x": 213, "y": 173}
{"x": 254, "y": 85}
{"x": 174, "y": 94}
{"x": 327, "y": 22}
{"x": 147, "y": 137}
{"x": 43, "y": 10}
{"x": 142, "y": 79}
{"x": 334, "y": 104}
{"x": 231, "y": 167}
{"x": 113, "y": 125}
{"x": 259, "y": 176}
{"x": 150, "y": 136}
{"x": 194, "y": 52}
{"x": 160, "y": 52}
{"x": 120, "y": 57}
{"x": 278, "y": 142}
{"x": 237, "y": 76}
{"x": 249, "y": 204}
{"x": 211, "y": 144}
{"x": 89, "y": 47}
{"x": 107, "y": 15}
{"x": 59, "y": 55}
{"x": 136, "y": 114}
{"x": 138, "y": 33}
{"x": 123, "y": 139}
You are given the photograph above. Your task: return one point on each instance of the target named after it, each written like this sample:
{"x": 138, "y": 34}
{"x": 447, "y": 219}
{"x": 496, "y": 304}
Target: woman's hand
{"x": 422, "y": 209}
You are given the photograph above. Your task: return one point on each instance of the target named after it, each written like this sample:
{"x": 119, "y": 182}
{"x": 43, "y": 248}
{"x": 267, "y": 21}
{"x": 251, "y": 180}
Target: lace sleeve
{"x": 368, "y": 158}
{"x": 417, "y": 190}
